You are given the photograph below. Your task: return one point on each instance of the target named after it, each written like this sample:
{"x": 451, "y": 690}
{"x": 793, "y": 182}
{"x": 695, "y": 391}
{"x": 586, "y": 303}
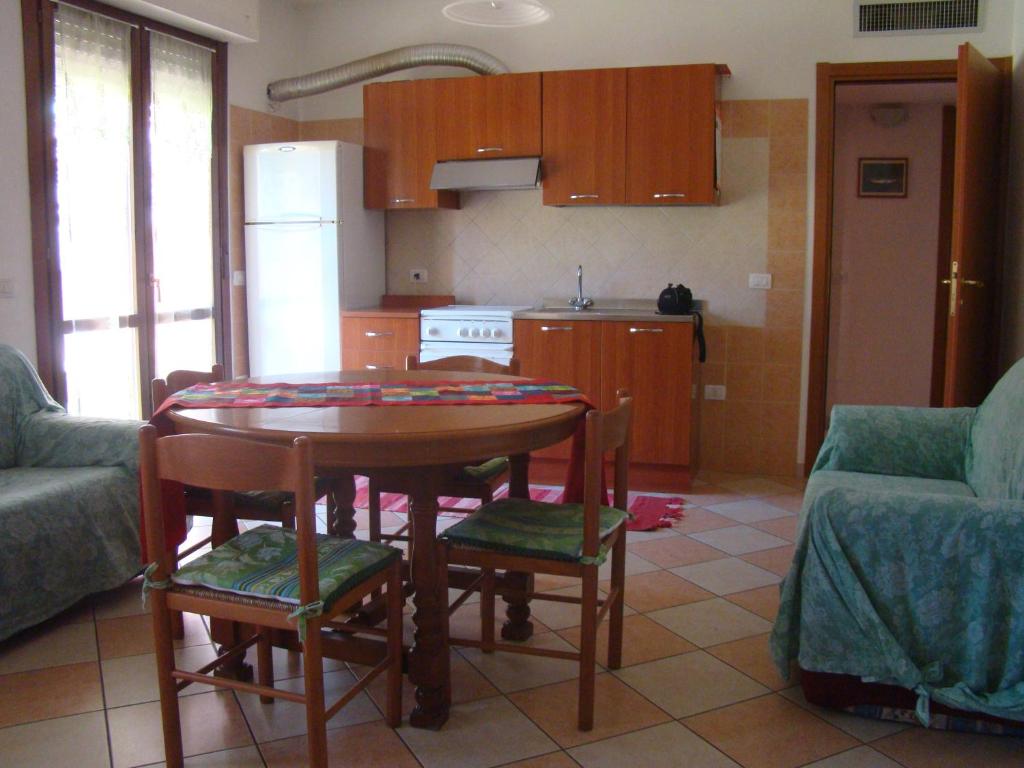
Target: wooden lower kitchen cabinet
{"x": 375, "y": 338}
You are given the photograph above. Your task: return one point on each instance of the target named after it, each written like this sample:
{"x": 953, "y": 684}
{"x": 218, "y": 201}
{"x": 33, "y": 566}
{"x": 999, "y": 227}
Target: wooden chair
{"x": 490, "y": 539}
{"x": 332, "y": 575}
{"x": 475, "y": 482}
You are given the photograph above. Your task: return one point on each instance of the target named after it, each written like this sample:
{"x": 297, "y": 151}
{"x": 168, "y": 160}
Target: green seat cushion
{"x": 262, "y": 562}
{"x": 530, "y": 528}
{"x": 487, "y": 470}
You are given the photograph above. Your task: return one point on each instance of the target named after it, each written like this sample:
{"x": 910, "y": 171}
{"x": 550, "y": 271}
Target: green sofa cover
{"x": 909, "y": 565}
{"x": 69, "y": 500}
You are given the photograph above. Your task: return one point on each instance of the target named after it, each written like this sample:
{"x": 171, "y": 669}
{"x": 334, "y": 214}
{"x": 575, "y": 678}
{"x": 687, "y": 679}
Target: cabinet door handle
{"x": 490, "y": 149}
{"x": 372, "y": 367}
{"x": 547, "y": 328}
{"x": 666, "y": 195}
{"x": 646, "y": 330}
{"x": 583, "y": 197}
{"x": 375, "y": 334}
{"x": 401, "y": 200}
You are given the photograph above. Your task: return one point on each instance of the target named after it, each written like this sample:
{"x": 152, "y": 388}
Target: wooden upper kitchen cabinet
{"x": 399, "y": 151}
{"x": 584, "y": 157}
{"x": 670, "y": 135}
{"x": 378, "y": 339}
{"x": 655, "y": 362}
{"x": 565, "y": 351}
{"x": 488, "y": 116}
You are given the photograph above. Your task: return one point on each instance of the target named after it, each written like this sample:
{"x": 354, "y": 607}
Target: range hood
{"x": 503, "y": 173}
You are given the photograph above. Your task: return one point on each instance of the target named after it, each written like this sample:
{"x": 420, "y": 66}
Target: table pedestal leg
{"x": 341, "y": 513}
{"x": 518, "y": 626}
{"x": 428, "y": 663}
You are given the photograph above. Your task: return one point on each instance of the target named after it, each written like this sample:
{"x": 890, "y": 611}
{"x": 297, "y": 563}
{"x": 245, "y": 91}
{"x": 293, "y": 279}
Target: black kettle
{"x": 675, "y": 300}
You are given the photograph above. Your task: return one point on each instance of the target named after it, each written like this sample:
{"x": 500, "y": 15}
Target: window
{"x": 130, "y": 172}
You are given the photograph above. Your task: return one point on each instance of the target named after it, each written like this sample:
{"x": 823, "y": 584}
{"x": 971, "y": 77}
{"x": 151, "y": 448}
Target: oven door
{"x": 435, "y": 350}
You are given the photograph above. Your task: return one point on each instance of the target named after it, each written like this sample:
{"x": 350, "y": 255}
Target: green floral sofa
{"x": 909, "y": 566}
{"x": 69, "y": 500}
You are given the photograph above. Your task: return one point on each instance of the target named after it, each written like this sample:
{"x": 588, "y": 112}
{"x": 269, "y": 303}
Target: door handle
{"x": 402, "y": 200}
{"x": 646, "y": 330}
{"x": 375, "y": 334}
{"x": 666, "y": 195}
{"x": 583, "y": 197}
{"x": 547, "y": 328}
{"x": 489, "y": 149}
{"x": 372, "y": 367}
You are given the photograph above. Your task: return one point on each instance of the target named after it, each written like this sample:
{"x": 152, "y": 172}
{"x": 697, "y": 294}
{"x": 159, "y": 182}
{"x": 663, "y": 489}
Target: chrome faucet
{"x": 580, "y": 302}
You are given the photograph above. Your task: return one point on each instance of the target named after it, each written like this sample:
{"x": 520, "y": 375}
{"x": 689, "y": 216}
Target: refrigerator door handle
{"x": 293, "y": 226}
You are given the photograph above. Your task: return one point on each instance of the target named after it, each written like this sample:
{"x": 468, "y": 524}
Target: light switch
{"x": 714, "y": 391}
{"x": 761, "y": 281}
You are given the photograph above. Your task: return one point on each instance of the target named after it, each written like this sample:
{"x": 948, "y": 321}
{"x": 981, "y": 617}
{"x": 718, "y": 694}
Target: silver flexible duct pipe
{"x": 429, "y": 54}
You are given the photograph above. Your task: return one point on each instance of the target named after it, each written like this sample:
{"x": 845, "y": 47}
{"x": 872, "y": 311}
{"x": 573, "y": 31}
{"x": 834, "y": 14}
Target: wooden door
{"x": 564, "y": 351}
{"x": 670, "y": 128}
{"x": 654, "y": 361}
{"x": 399, "y": 151}
{"x": 971, "y": 332}
{"x": 488, "y": 117}
{"x": 584, "y": 132}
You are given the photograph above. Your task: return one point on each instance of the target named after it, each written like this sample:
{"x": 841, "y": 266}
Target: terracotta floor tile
{"x": 553, "y": 760}
{"x": 515, "y": 672}
{"x": 739, "y": 540}
{"x": 755, "y": 486}
{"x": 635, "y": 564}
{"x": 792, "y": 501}
{"x": 468, "y": 684}
{"x": 752, "y": 657}
{"x": 696, "y": 519}
{"x": 864, "y": 728}
{"x": 642, "y": 640}
{"x": 79, "y": 741}
{"x": 923, "y": 748}
{"x": 783, "y": 527}
{"x": 80, "y": 613}
{"x": 775, "y": 560}
{"x": 679, "y": 550}
{"x": 210, "y": 722}
{"x": 770, "y": 732}
{"x": 618, "y": 709}
{"x": 243, "y": 757}
{"x": 723, "y": 577}
{"x": 133, "y": 635}
{"x": 861, "y": 757}
{"x": 690, "y": 683}
{"x": 547, "y": 614}
{"x": 48, "y": 646}
{"x": 371, "y": 745}
{"x": 51, "y": 692}
{"x": 662, "y": 746}
{"x": 710, "y": 622}
{"x": 763, "y": 601}
{"x": 126, "y": 600}
{"x": 659, "y": 589}
{"x": 132, "y": 679}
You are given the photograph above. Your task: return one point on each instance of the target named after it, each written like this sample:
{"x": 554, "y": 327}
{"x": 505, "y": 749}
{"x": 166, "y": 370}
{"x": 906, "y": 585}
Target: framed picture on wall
{"x": 882, "y": 177}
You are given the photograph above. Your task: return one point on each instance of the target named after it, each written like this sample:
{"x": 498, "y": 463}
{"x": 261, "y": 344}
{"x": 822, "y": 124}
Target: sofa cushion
{"x": 995, "y": 457}
{"x": 825, "y": 480}
{"x": 21, "y": 394}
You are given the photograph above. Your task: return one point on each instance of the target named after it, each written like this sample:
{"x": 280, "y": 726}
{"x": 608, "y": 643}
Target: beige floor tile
{"x": 80, "y": 613}
{"x": 784, "y": 527}
{"x": 861, "y": 757}
{"x": 370, "y": 745}
{"x": 465, "y": 622}
{"x": 633, "y": 537}
{"x": 553, "y": 760}
{"x": 679, "y": 550}
{"x": 479, "y": 734}
{"x": 549, "y": 615}
{"x": 642, "y": 640}
{"x": 635, "y": 563}
{"x": 764, "y": 601}
{"x": 705, "y": 495}
{"x": 283, "y": 719}
{"x": 133, "y": 635}
{"x": 739, "y": 540}
{"x": 792, "y": 501}
{"x": 775, "y": 560}
{"x": 659, "y": 589}
{"x": 126, "y": 600}
{"x": 723, "y": 577}
{"x": 51, "y": 692}
{"x": 132, "y": 679}
{"x": 514, "y": 671}
{"x": 691, "y": 683}
{"x": 863, "y": 728}
{"x": 697, "y": 519}
{"x": 663, "y": 746}
{"x": 618, "y": 709}
{"x": 210, "y": 722}
{"x": 755, "y": 486}
{"x": 749, "y": 511}
{"x": 288, "y": 664}
{"x": 468, "y": 684}
{"x": 923, "y": 748}
{"x": 243, "y": 757}
{"x": 544, "y": 582}
{"x": 79, "y": 741}
{"x": 710, "y": 622}
{"x": 769, "y": 732}
{"x": 752, "y": 657}
{"x": 48, "y": 646}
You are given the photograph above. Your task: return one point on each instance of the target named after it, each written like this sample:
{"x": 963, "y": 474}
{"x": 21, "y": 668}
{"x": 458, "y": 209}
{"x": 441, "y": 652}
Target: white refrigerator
{"x": 311, "y": 250}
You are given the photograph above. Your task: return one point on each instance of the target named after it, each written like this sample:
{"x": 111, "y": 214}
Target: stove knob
{"x": 486, "y": 333}
{"x": 496, "y": 333}
{"x": 475, "y": 332}
{"x": 432, "y": 332}
{"x": 463, "y": 332}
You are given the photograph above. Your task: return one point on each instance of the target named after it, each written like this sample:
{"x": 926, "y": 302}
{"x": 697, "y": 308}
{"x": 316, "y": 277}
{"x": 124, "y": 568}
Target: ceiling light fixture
{"x": 497, "y": 13}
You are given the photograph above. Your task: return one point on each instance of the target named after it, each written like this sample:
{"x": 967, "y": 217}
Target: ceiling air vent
{"x": 908, "y": 17}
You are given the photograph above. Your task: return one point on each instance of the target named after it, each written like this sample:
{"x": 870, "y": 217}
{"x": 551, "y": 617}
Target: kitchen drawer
{"x": 397, "y": 335}
{"x": 365, "y": 359}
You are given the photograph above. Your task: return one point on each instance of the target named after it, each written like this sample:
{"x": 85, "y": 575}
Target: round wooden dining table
{"x": 412, "y": 447}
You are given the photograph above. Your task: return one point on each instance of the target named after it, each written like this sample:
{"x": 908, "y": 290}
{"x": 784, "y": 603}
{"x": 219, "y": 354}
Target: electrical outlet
{"x": 714, "y": 391}
{"x": 417, "y": 275}
{"x": 760, "y": 281}
{"x": 238, "y": 278}
{"x": 6, "y": 288}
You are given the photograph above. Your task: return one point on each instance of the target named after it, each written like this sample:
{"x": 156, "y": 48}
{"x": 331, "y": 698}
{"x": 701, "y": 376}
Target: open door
{"x": 971, "y": 333}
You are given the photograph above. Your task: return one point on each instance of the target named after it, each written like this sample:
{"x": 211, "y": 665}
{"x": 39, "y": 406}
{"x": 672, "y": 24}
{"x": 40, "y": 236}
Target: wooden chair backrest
{"x": 605, "y": 431}
{"x": 179, "y": 380}
{"x": 463, "y": 364}
{"x": 224, "y": 464}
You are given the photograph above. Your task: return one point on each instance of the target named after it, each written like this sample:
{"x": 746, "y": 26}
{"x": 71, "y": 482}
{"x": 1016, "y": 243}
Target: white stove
{"x": 467, "y": 329}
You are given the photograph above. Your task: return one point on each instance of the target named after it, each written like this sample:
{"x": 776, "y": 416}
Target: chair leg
{"x": 177, "y": 617}
{"x": 394, "y": 680}
{"x": 313, "y": 670}
{"x": 487, "y": 611}
{"x": 171, "y": 718}
{"x": 288, "y": 516}
{"x": 588, "y": 649}
{"x": 615, "y": 611}
{"x": 265, "y": 658}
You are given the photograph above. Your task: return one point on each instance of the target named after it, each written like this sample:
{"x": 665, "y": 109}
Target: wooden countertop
{"x": 378, "y": 312}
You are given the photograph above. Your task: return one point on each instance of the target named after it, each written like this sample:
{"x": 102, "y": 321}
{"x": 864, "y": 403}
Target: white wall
{"x": 234, "y": 20}
{"x": 280, "y": 52}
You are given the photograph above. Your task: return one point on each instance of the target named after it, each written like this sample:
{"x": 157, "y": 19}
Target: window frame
{"x": 38, "y": 42}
